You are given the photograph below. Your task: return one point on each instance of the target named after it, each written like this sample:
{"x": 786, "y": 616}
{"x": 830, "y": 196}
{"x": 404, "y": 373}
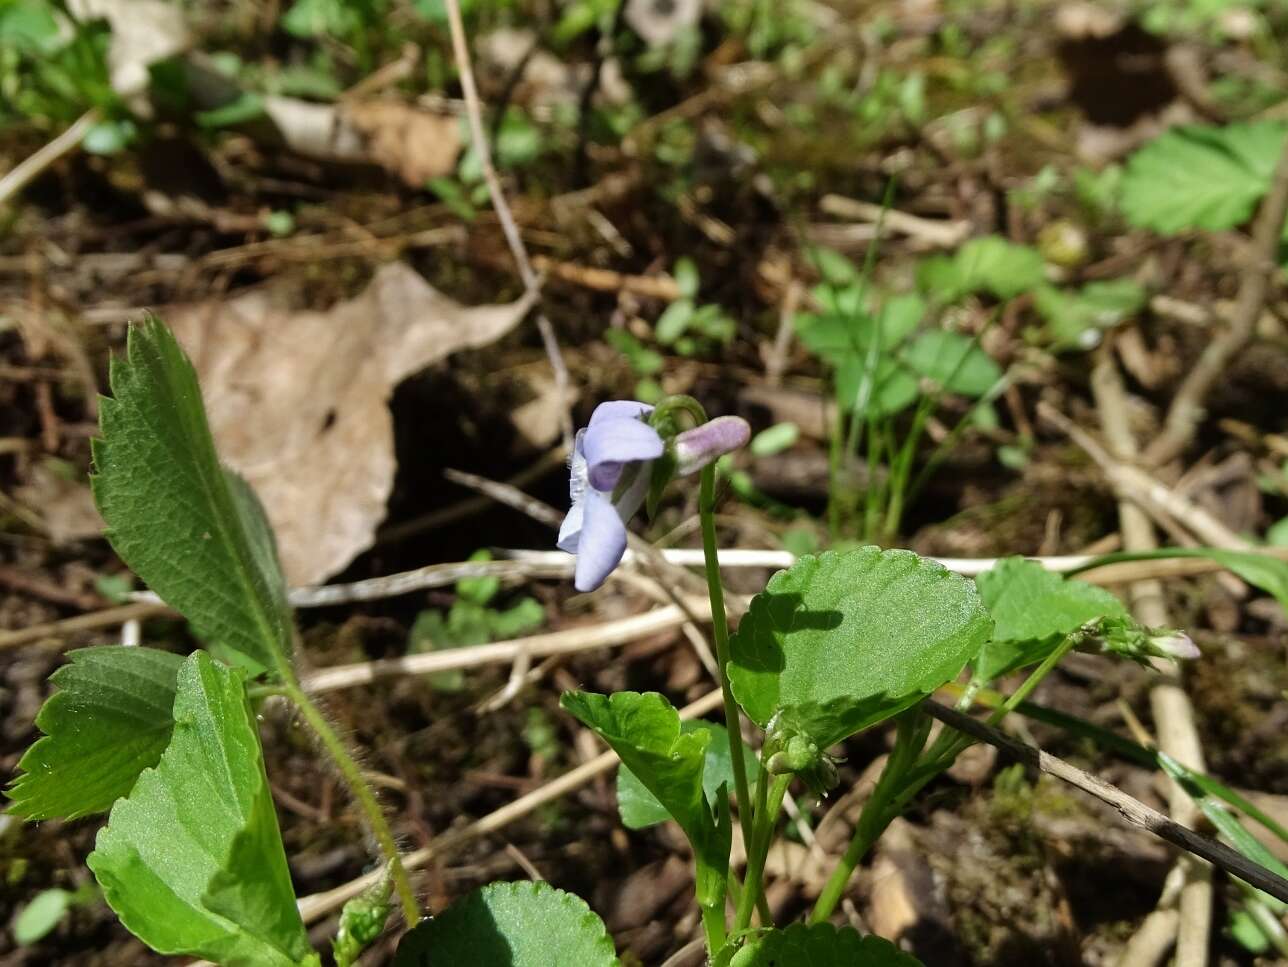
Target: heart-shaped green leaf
{"x": 644, "y": 731}
{"x": 1033, "y": 610}
{"x": 515, "y": 924}
{"x": 109, "y": 720}
{"x": 194, "y": 532}
{"x": 839, "y": 642}
{"x": 955, "y": 362}
{"x": 818, "y": 945}
{"x": 192, "y": 861}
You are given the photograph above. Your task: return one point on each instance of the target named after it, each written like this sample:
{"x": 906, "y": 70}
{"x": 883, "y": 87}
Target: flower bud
{"x": 696, "y": 448}
{"x": 361, "y": 921}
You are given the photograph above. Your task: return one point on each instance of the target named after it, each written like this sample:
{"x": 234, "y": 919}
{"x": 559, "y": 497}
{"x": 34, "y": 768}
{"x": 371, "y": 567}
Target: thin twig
{"x": 1186, "y": 410}
{"x": 1173, "y": 712}
{"x": 1131, "y": 809}
{"x": 531, "y": 281}
{"x": 1139, "y": 486}
{"x": 82, "y": 622}
{"x": 608, "y": 634}
{"x": 22, "y": 173}
{"x": 318, "y": 905}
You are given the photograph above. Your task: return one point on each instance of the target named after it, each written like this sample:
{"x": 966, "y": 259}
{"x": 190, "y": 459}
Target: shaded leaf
{"x": 109, "y": 720}
{"x": 1076, "y": 319}
{"x": 510, "y": 924}
{"x": 192, "y": 861}
{"x": 644, "y": 731}
{"x": 1199, "y": 176}
{"x": 639, "y": 808}
{"x": 41, "y": 915}
{"x": 819, "y": 945}
{"x": 194, "y": 533}
{"x": 839, "y": 642}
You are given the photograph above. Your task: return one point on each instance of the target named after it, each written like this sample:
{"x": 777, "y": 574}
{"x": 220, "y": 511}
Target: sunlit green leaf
{"x": 511, "y": 924}
{"x": 989, "y": 264}
{"x": 108, "y": 721}
{"x": 1076, "y": 319}
{"x": 644, "y": 731}
{"x": 1200, "y": 176}
{"x": 1033, "y": 610}
{"x": 954, "y": 361}
{"x": 839, "y": 642}
{"x": 191, "y": 530}
{"x": 192, "y": 861}
{"x": 39, "y": 917}
{"x": 639, "y": 807}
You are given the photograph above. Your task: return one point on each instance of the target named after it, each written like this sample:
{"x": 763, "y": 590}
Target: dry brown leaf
{"x": 298, "y": 400}
{"x": 63, "y": 504}
{"x": 407, "y": 141}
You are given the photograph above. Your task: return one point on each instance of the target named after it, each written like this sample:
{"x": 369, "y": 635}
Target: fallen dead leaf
{"x": 297, "y": 400}
{"x": 407, "y": 141}
{"x": 62, "y": 503}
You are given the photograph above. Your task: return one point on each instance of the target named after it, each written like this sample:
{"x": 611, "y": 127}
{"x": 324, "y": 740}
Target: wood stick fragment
{"x": 1131, "y": 809}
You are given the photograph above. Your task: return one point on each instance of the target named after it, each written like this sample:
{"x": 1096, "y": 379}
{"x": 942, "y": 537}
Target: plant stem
{"x": 914, "y": 727}
{"x": 770, "y": 798}
{"x": 720, "y": 632}
{"x": 362, "y": 792}
{"x": 713, "y": 925}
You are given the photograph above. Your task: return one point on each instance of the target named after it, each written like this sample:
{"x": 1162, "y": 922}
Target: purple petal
{"x": 601, "y": 544}
{"x": 696, "y": 448}
{"x": 610, "y": 444}
{"x": 620, "y": 410}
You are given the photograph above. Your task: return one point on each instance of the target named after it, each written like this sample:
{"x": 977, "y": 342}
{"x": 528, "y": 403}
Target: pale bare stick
{"x": 568, "y": 641}
{"x": 1173, "y": 713}
{"x": 82, "y": 622}
{"x": 319, "y": 905}
{"x": 1143, "y": 489}
{"x": 531, "y": 281}
{"x": 1131, "y": 809}
{"x": 1186, "y": 410}
{"x": 24, "y": 171}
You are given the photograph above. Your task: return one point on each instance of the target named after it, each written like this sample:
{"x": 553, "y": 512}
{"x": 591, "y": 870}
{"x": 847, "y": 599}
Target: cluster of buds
{"x": 789, "y": 752}
{"x": 1126, "y": 639}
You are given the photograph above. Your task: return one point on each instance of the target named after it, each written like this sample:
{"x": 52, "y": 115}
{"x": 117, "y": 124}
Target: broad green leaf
{"x": 839, "y": 642}
{"x": 639, "y": 807}
{"x": 989, "y": 264}
{"x": 41, "y": 915}
{"x": 1199, "y": 176}
{"x": 511, "y": 924}
{"x": 192, "y": 861}
{"x": 109, "y": 720}
{"x": 818, "y": 945}
{"x": 954, "y": 361}
{"x": 1076, "y": 319}
{"x": 834, "y": 267}
{"x": 673, "y": 321}
{"x": 1033, "y": 610}
{"x": 644, "y": 731}
{"x": 192, "y": 531}
{"x": 1270, "y": 574}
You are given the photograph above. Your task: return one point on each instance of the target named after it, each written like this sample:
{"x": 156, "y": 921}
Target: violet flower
{"x": 610, "y": 474}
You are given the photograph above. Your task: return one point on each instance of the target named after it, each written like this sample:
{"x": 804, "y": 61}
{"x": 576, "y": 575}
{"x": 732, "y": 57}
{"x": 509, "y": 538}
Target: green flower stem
{"x": 720, "y": 631}
{"x": 771, "y": 801}
{"x": 877, "y": 814}
{"x": 1039, "y": 673}
{"x": 361, "y": 791}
